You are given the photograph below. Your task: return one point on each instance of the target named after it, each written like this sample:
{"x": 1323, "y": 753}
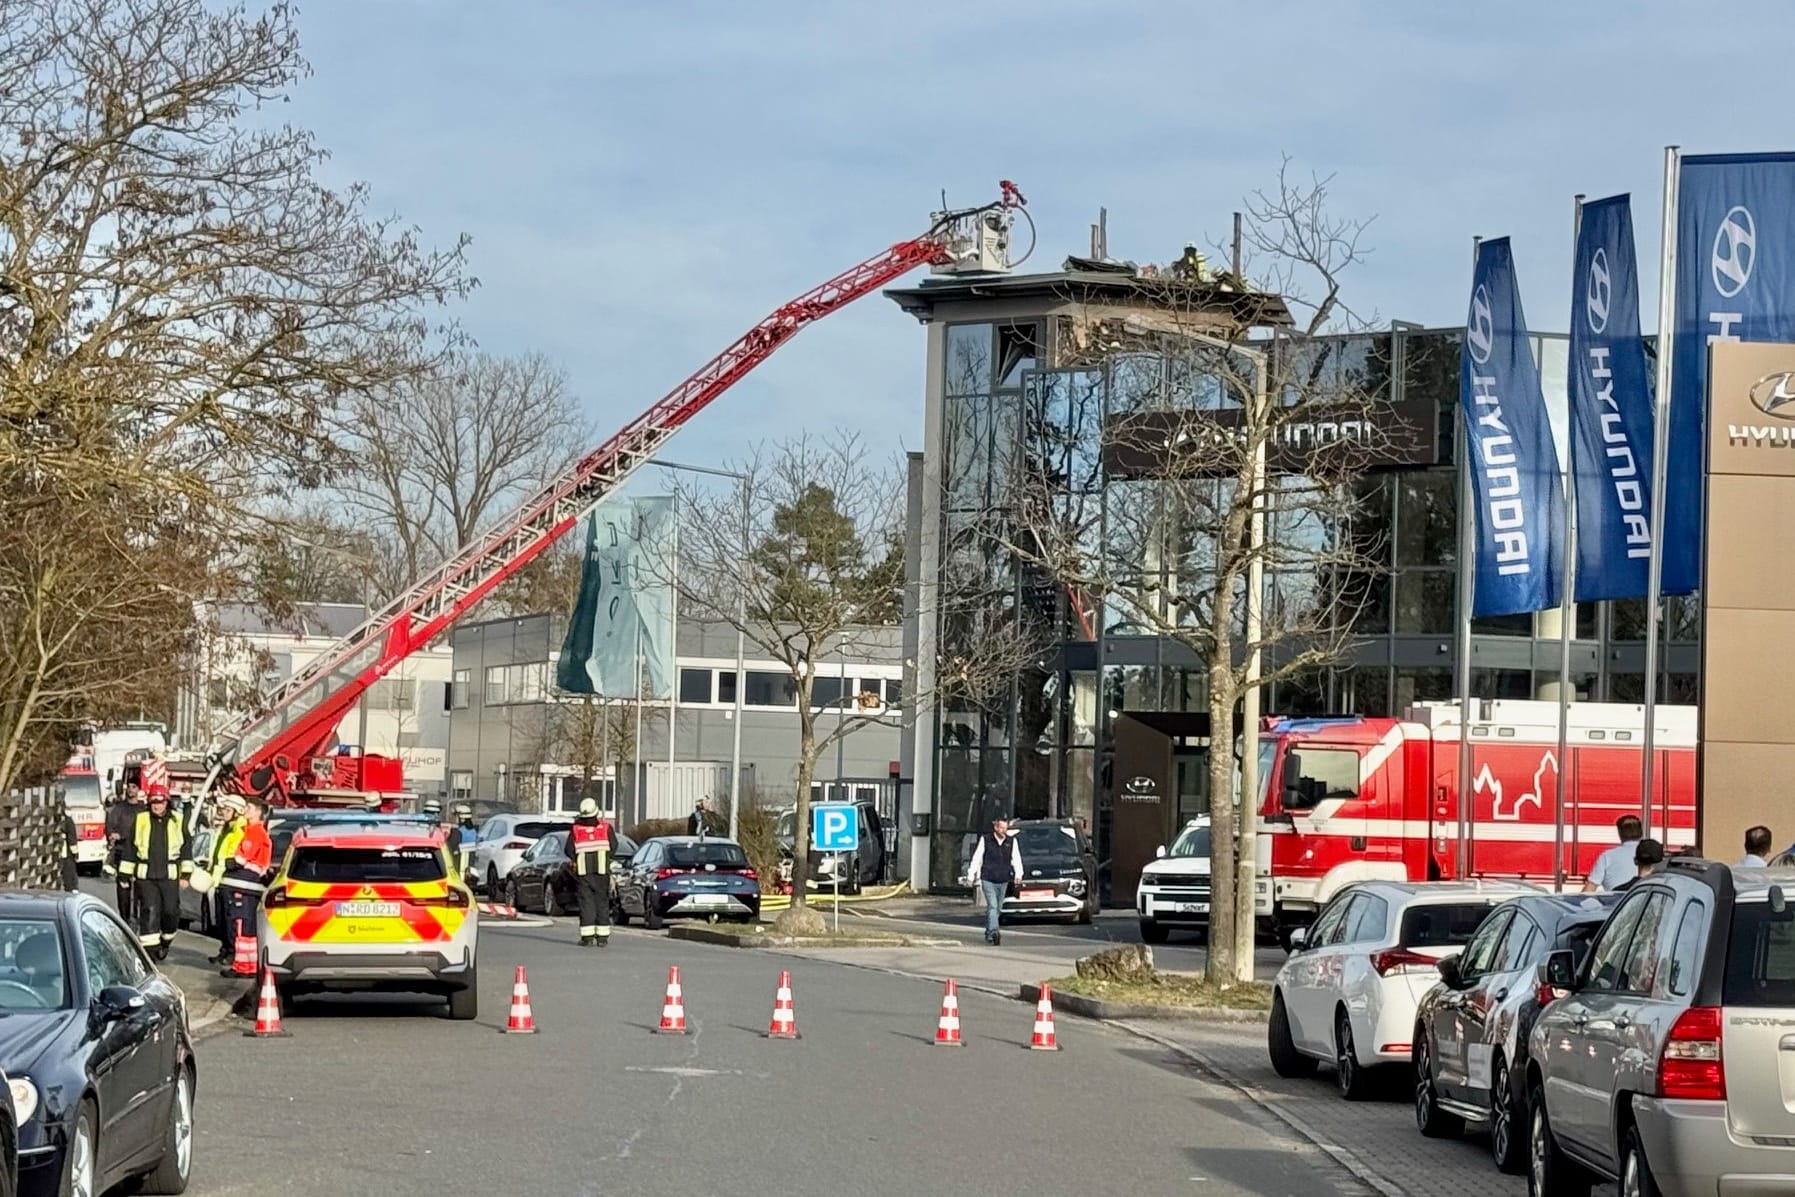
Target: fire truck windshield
{"x": 1268, "y": 755}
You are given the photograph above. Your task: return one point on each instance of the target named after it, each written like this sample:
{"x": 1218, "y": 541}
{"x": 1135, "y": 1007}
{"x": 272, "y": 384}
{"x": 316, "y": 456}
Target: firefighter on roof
{"x": 590, "y": 842}
{"x": 160, "y": 857}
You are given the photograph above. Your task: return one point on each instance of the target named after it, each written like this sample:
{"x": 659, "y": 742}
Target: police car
{"x": 371, "y": 906}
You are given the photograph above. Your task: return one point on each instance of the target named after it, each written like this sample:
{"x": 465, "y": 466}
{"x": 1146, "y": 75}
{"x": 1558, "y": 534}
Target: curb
{"x": 1088, "y": 1007}
{"x": 1361, "y": 1171}
{"x": 761, "y": 939}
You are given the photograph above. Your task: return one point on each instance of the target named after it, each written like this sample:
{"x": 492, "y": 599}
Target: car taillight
{"x": 275, "y": 897}
{"x": 1545, "y": 995}
{"x": 750, "y": 874}
{"x": 663, "y": 874}
{"x": 1398, "y": 962}
{"x": 455, "y": 897}
{"x": 516, "y": 845}
{"x": 1691, "y": 1067}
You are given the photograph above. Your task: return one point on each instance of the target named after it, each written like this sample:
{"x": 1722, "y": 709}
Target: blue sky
{"x": 643, "y": 181}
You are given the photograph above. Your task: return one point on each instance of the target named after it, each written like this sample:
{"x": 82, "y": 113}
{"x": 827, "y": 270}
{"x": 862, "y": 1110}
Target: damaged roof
{"x": 1085, "y": 280}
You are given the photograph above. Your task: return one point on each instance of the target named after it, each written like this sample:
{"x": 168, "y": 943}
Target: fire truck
{"x": 271, "y": 752}
{"x": 1355, "y": 799}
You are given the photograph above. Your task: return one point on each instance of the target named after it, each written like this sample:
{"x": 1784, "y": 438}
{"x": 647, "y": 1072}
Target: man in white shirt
{"x": 996, "y": 864}
{"x": 1757, "y": 848}
{"x": 1615, "y": 867}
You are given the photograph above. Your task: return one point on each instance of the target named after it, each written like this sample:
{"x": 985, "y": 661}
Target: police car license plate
{"x": 367, "y": 910}
{"x": 1193, "y": 908}
{"x": 1036, "y": 895}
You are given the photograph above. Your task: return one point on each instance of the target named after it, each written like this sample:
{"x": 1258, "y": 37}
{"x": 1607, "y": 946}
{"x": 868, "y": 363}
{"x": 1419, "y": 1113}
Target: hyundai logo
{"x": 1735, "y": 252}
{"x": 1480, "y": 329}
{"x": 1139, "y": 785}
{"x": 1773, "y": 393}
{"x": 1595, "y": 307}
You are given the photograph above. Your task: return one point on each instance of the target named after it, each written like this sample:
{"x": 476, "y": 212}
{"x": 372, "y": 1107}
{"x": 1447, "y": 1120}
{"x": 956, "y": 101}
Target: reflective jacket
{"x": 169, "y": 859}
{"x": 251, "y": 856}
{"x": 225, "y": 846}
{"x": 590, "y": 845}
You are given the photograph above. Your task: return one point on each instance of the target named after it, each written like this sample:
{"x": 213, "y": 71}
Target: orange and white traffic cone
{"x": 947, "y": 1030}
{"x": 1044, "y": 1040}
{"x": 673, "y": 1008}
{"x": 522, "y": 1021}
{"x": 785, "y": 1018}
{"x": 267, "y": 1011}
{"x": 243, "y": 962}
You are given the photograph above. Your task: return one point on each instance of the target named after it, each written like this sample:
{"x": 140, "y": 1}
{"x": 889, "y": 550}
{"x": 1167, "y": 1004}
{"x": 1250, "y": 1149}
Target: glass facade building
{"x": 1015, "y": 384}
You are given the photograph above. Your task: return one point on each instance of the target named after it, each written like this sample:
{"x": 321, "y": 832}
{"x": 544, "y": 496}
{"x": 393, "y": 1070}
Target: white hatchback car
{"x": 502, "y": 842}
{"x": 1348, "y": 993}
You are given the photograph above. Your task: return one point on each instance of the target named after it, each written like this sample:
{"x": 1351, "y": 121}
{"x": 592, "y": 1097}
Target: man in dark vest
{"x": 996, "y": 863}
{"x": 590, "y": 846}
{"x": 160, "y": 859}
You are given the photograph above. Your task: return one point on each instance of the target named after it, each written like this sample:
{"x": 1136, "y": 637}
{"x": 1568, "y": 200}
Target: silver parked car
{"x": 1669, "y": 1062}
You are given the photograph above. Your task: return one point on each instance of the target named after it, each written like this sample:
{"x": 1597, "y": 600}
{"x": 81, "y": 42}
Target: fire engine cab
{"x": 1350, "y": 798}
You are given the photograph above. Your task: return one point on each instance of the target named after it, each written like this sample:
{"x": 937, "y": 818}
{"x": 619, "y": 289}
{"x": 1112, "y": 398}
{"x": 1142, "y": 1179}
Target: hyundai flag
{"x": 1519, "y": 503}
{"x": 1611, "y": 408}
{"x": 1735, "y": 282}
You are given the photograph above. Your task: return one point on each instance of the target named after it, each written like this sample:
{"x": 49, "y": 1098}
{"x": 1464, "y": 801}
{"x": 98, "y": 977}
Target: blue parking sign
{"x": 835, "y": 827}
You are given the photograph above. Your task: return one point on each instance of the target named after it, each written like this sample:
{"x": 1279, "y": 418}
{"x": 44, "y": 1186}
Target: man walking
{"x": 1757, "y": 848}
{"x": 996, "y": 862}
{"x": 590, "y": 842}
{"x": 121, "y": 817}
{"x": 1616, "y": 866}
{"x": 161, "y": 858}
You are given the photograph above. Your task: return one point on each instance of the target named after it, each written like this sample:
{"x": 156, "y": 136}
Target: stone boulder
{"x": 800, "y": 921}
{"x": 1130, "y": 963}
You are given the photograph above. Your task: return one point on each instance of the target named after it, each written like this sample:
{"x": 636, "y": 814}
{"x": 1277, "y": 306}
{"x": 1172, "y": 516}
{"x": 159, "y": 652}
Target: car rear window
{"x": 1760, "y": 956}
{"x": 1442, "y": 924}
{"x": 536, "y": 830}
{"x": 688, "y": 856}
{"x": 366, "y": 865}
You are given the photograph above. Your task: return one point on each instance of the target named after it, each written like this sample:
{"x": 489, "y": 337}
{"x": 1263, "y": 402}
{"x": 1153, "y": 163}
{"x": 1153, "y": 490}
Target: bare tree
{"x": 183, "y": 309}
{"x": 1206, "y": 427}
{"x": 437, "y": 457}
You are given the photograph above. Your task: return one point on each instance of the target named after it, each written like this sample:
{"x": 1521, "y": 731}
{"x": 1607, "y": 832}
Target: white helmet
{"x": 588, "y": 808}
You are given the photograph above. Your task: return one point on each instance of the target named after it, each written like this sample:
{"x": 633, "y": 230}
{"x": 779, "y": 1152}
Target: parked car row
{"x": 1645, "y": 1037}
{"x": 674, "y": 876}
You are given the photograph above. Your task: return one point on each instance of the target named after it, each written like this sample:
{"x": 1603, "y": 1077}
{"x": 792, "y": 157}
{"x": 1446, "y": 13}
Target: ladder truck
{"x": 269, "y": 753}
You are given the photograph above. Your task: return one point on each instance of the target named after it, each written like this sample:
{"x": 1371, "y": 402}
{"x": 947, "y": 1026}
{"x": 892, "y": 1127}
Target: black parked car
{"x": 684, "y": 876}
{"x": 1059, "y": 873}
{"x": 544, "y": 880}
{"x": 851, "y": 870}
{"x": 95, "y": 1044}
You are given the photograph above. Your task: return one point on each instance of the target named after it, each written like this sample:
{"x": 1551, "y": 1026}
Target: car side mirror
{"x": 1559, "y": 970}
{"x": 117, "y": 1001}
{"x": 1160, "y": 852}
{"x": 1450, "y": 975}
{"x": 1299, "y": 938}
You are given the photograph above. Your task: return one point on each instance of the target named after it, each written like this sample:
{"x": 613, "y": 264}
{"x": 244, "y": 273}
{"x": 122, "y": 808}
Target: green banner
{"x": 621, "y": 628}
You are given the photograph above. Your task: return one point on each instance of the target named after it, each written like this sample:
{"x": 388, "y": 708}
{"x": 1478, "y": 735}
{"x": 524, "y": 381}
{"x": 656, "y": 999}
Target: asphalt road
{"x": 386, "y": 1095}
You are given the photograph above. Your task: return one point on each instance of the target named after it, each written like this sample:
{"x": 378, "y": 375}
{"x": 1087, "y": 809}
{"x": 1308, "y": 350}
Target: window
{"x": 1485, "y": 949}
{"x": 1607, "y": 960}
{"x": 461, "y": 782}
{"x": 1370, "y": 915}
{"x": 366, "y": 866}
{"x": 112, "y": 959}
{"x": 1017, "y": 351}
{"x": 1523, "y": 947}
{"x": 826, "y": 694}
{"x": 1642, "y": 953}
{"x": 1760, "y": 956}
{"x": 495, "y": 694}
{"x": 1318, "y": 774}
{"x": 967, "y": 370}
{"x": 31, "y": 957}
{"x": 695, "y": 686}
{"x": 894, "y": 691}
{"x": 516, "y": 683}
{"x": 1685, "y": 953}
{"x": 726, "y": 686}
{"x": 1424, "y": 602}
{"x": 766, "y": 689}
{"x": 1327, "y": 927}
{"x": 1442, "y": 924}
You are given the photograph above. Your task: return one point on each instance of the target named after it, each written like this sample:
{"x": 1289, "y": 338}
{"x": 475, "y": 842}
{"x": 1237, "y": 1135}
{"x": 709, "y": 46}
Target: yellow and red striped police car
{"x": 371, "y": 906}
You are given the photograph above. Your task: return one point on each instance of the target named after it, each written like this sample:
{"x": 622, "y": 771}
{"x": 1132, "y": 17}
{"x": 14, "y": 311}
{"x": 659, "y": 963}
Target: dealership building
{"x": 1004, "y": 353}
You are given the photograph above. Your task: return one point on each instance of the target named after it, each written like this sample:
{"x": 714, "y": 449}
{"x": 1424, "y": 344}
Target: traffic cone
{"x": 785, "y": 1017}
{"x": 947, "y": 1031}
{"x": 243, "y": 963}
{"x": 267, "y": 1011}
{"x": 522, "y": 1021}
{"x": 673, "y": 1008}
{"x": 1044, "y": 1040}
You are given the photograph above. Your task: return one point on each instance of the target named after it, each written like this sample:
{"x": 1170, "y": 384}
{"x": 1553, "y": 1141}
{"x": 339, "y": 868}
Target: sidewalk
{"x": 209, "y": 996}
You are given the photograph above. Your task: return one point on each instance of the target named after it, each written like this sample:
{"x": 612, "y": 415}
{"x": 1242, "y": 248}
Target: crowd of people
{"x": 1639, "y": 855}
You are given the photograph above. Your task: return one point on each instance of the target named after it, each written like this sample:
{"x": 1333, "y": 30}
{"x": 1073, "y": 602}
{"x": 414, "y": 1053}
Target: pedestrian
{"x": 242, "y": 867}
{"x": 161, "y": 858}
{"x": 71, "y": 840}
{"x": 1648, "y": 858}
{"x": 698, "y": 821}
{"x": 224, "y": 846}
{"x": 1616, "y": 866}
{"x": 996, "y": 862}
{"x": 590, "y": 842}
{"x": 121, "y": 816}
{"x": 1757, "y": 848}
{"x": 464, "y": 838}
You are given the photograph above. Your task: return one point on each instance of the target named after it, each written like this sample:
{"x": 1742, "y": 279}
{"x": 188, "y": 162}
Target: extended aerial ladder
{"x": 259, "y": 753}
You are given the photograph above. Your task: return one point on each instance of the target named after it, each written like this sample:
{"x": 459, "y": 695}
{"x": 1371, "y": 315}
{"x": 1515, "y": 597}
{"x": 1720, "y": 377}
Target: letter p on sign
{"x": 835, "y": 827}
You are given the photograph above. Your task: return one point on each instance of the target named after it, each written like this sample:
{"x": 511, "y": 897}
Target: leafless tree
{"x": 435, "y": 458}
{"x": 1205, "y": 422}
{"x": 184, "y": 308}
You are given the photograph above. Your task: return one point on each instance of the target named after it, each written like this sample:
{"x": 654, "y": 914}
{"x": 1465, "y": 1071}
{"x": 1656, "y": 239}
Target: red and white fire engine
{"x": 1354, "y": 799}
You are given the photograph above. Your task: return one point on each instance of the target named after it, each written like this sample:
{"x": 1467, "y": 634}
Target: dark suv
{"x": 1667, "y": 1059}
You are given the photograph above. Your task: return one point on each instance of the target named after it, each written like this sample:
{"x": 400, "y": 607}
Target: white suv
{"x": 1349, "y": 991}
{"x": 1174, "y": 889}
{"x": 502, "y": 842}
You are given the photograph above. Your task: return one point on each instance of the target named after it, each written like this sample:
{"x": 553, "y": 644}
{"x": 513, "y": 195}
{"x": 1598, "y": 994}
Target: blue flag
{"x": 1735, "y": 282}
{"x": 1515, "y": 478}
{"x": 1611, "y": 408}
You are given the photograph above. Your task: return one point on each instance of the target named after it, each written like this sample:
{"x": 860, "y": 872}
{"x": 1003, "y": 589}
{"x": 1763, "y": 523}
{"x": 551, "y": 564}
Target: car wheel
{"x": 1549, "y": 1173}
{"x": 1351, "y": 1076}
{"x": 1086, "y": 913}
{"x": 1430, "y": 1119}
{"x": 512, "y": 898}
{"x": 80, "y": 1171}
{"x": 1508, "y": 1114}
{"x": 550, "y": 907}
{"x": 1286, "y": 1060}
{"x": 492, "y": 880}
{"x": 651, "y": 911}
{"x": 619, "y": 912}
{"x": 176, "y": 1164}
{"x": 1635, "y": 1173}
{"x": 464, "y": 1003}
{"x": 1153, "y": 932}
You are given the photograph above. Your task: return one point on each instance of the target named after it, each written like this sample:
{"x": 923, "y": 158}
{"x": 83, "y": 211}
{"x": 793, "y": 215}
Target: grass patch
{"x": 1170, "y": 989}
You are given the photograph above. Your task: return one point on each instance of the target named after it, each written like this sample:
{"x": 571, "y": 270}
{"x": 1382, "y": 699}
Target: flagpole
{"x": 1654, "y": 583}
{"x": 1567, "y": 615}
{"x": 1467, "y": 549}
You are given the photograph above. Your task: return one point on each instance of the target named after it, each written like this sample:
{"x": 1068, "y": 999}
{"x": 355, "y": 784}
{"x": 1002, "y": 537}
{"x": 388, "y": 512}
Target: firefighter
{"x": 464, "y": 838}
{"x": 71, "y": 839}
{"x": 121, "y": 816}
{"x": 161, "y": 857}
{"x": 242, "y": 865}
{"x": 590, "y": 843}
{"x": 224, "y": 846}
